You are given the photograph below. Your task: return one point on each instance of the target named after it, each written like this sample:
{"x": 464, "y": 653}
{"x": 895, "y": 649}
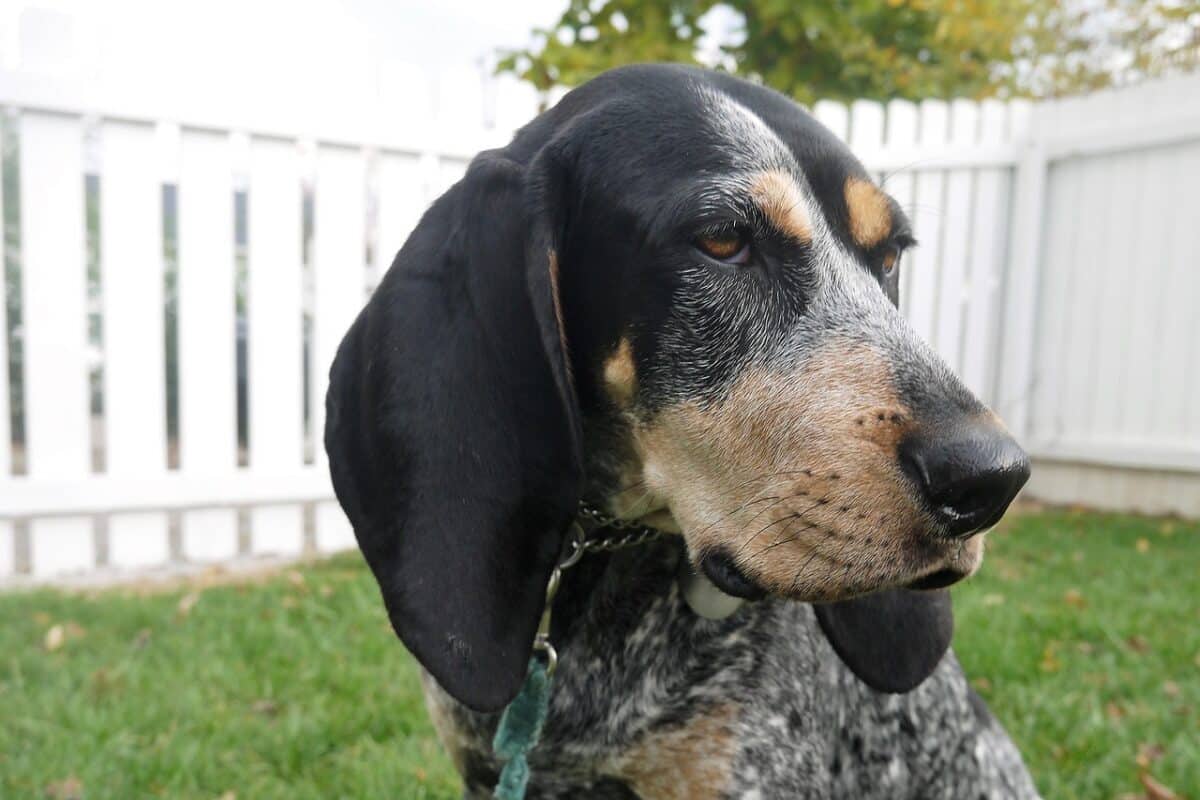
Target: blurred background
{"x": 198, "y": 197}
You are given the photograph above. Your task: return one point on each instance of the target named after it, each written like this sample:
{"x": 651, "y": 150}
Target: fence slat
{"x": 1015, "y": 346}
{"x": 134, "y": 368}
{"x": 927, "y": 223}
{"x": 1064, "y": 188}
{"x": 401, "y": 203}
{"x": 1100, "y": 208}
{"x": 988, "y": 244}
{"x": 275, "y": 344}
{"x": 207, "y": 391}
{"x": 1177, "y": 412}
{"x": 338, "y": 289}
{"x": 834, "y": 116}
{"x": 8, "y": 545}
{"x": 866, "y": 126}
{"x": 901, "y": 183}
{"x": 57, "y": 427}
{"x": 956, "y": 241}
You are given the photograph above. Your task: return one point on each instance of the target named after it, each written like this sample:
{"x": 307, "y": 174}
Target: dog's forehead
{"x": 758, "y": 135}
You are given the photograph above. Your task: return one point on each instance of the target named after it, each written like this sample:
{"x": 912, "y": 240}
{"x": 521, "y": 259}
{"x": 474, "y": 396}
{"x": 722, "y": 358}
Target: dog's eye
{"x": 729, "y": 247}
{"x": 891, "y": 260}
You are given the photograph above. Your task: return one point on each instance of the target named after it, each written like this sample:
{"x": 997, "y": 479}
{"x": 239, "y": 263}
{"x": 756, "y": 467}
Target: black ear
{"x": 891, "y": 640}
{"x": 453, "y": 433}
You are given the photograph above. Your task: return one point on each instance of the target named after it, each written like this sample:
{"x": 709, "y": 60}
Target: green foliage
{"x": 849, "y": 49}
{"x": 1082, "y": 46}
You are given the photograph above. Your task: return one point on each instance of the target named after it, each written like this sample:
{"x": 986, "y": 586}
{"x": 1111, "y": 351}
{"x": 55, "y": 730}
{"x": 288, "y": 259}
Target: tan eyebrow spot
{"x": 620, "y": 374}
{"x": 870, "y": 214}
{"x": 779, "y": 198}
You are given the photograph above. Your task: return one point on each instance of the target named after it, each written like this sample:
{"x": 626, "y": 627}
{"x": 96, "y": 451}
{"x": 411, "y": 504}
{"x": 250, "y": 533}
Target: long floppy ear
{"x": 453, "y": 433}
{"x": 891, "y": 640}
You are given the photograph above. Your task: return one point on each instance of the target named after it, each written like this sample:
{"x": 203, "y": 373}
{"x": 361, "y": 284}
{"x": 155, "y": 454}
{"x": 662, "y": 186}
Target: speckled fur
{"x": 637, "y": 665}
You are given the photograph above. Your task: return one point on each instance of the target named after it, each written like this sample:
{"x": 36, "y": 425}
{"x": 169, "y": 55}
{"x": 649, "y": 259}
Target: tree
{"x": 848, "y": 49}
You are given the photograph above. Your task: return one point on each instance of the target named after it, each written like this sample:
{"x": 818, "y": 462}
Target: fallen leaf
{"x": 1148, "y": 753}
{"x": 1143, "y": 545}
{"x": 289, "y": 602}
{"x": 41, "y": 617}
{"x": 1073, "y": 597}
{"x": 67, "y": 789}
{"x": 1114, "y": 711}
{"x": 982, "y": 684}
{"x": 103, "y": 681}
{"x": 1138, "y": 644}
{"x": 186, "y": 604}
{"x": 1050, "y": 661}
{"x": 1171, "y": 688}
{"x": 268, "y": 708}
{"x": 230, "y": 795}
{"x": 1087, "y": 648}
{"x": 993, "y": 599}
{"x": 55, "y": 638}
{"x": 1167, "y": 528}
{"x": 295, "y": 579}
{"x": 1154, "y": 789}
{"x": 326, "y": 590}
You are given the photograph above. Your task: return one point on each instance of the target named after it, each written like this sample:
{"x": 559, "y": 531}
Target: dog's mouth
{"x": 929, "y": 565}
{"x": 946, "y": 576}
{"x": 727, "y": 576}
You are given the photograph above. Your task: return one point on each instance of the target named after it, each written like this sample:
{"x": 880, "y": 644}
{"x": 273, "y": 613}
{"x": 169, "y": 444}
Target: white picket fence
{"x": 1055, "y": 273}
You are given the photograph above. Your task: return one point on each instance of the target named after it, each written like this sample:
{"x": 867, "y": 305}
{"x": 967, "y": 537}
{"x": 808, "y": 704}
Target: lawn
{"x": 1083, "y": 632}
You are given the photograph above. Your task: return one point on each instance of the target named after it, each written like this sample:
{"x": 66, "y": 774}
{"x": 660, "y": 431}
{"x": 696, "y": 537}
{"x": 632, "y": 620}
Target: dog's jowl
{"x": 672, "y": 298}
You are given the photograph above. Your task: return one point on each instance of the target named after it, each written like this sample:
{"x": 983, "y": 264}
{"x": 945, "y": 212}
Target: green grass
{"x": 1083, "y": 632}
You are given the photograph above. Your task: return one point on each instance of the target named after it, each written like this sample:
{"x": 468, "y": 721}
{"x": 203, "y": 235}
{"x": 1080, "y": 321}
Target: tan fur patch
{"x": 552, "y": 266}
{"x": 870, "y": 214}
{"x": 620, "y": 375}
{"x": 449, "y": 732}
{"x": 796, "y": 476}
{"x": 692, "y": 762}
{"x": 779, "y": 198}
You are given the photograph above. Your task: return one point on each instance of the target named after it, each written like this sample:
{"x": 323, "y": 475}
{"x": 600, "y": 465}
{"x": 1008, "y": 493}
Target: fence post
{"x": 57, "y": 420}
{"x": 1014, "y": 387}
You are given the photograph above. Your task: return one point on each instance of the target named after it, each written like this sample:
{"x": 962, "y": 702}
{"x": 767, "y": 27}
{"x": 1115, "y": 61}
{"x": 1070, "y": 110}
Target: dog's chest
{"x": 648, "y": 699}
{"x": 651, "y": 701}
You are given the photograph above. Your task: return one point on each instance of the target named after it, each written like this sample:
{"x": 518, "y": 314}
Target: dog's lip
{"x": 727, "y": 576}
{"x": 939, "y": 579}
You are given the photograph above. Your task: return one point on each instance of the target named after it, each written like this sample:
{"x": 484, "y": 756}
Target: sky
{"x": 426, "y": 60}
{"x": 129, "y": 33}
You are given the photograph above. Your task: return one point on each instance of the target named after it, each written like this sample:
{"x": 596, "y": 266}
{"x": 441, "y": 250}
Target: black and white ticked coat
{"x": 651, "y": 700}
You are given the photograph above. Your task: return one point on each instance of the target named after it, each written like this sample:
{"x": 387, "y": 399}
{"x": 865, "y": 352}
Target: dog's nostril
{"x": 967, "y": 475}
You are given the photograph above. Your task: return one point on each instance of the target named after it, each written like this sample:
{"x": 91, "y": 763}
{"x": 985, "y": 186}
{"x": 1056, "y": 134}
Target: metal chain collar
{"x": 633, "y": 534}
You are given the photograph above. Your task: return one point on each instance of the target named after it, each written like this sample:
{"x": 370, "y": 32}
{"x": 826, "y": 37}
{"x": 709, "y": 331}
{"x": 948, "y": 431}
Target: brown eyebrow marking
{"x": 870, "y": 214}
{"x": 778, "y": 196}
{"x": 620, "y": 374}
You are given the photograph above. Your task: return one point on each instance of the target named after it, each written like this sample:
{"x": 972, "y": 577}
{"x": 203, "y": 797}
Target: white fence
{"x": 173, "y": 352}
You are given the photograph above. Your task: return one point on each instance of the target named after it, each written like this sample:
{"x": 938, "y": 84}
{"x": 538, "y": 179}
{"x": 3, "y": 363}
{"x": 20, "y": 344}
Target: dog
{"x": 673, "y": 296}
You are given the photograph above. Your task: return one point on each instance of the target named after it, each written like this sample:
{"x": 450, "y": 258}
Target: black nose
{"x": 968, "y": 475}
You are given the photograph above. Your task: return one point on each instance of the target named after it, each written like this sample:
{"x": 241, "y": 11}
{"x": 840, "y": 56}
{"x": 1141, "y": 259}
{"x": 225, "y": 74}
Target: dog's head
{"x": 674, "y": 292}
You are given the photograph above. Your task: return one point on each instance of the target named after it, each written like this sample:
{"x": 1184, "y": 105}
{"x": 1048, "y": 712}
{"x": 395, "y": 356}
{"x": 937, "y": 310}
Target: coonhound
{"x": 673, "y": 296}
